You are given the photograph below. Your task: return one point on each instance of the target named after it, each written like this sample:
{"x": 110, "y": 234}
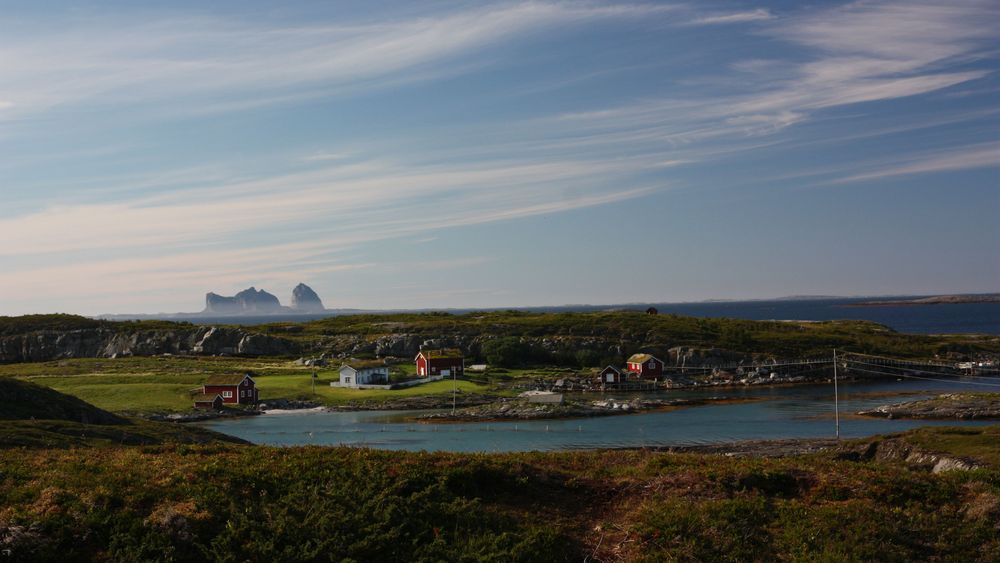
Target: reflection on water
{"x": 777, "y": 412}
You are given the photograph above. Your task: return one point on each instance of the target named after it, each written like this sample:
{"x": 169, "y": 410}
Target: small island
{"x": 543, "y": 406}
{"x": 933, "y": 300}
{"x": 961, "y": 406}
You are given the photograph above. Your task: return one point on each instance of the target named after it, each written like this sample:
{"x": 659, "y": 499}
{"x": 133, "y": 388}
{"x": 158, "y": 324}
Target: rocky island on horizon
{"x": 253, "y": 301}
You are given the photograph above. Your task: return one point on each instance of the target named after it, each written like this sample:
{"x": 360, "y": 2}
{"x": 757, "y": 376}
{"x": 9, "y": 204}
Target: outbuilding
{"x": 611, "y": 375}
{"x": 448, "y": 362}
{"x": 207, "y": 401}
{"x": 646, "y": 366}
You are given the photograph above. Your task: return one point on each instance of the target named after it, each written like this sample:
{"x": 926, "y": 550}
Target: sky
{"x": 494, "y": 154}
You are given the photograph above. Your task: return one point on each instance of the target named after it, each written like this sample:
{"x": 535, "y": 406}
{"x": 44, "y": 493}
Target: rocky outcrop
{"x": 305, "y": 300}
{"x": 961, "y": 406}
{"x": 248, "y": 301}
{"x": 898, "y": 449}
{"x": 43, "y": 346}
{"x": 697, "y": 357}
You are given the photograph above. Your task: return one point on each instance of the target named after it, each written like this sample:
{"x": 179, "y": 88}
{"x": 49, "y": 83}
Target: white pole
{"x": 836, "y": 394}
{"x": 454, "y": 389}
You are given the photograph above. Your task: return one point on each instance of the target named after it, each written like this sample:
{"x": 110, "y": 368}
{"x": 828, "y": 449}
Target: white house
{"x": 355, "y": 374}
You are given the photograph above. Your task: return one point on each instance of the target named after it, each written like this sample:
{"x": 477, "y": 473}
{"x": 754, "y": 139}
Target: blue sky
{"x": 474, "y": 154}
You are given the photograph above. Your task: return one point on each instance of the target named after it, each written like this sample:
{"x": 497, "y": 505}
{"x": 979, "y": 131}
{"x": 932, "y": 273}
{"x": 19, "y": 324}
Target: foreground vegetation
{"x": 89, "y": 485}
{"x": 233, "y": 503}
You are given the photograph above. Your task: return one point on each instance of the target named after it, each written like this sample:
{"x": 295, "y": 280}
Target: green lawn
{"x": 299, "y": 386}
{"x": 164, "y": 384}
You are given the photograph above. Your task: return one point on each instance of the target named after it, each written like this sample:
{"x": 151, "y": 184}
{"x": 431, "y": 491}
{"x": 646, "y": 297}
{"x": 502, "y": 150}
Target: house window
{"x": 227, "y": 394}
{"x": 347, "y": 380}
{"x": 652, "y": 364}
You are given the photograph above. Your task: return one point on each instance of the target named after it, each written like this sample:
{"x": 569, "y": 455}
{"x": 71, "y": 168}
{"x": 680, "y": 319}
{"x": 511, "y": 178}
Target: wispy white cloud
{"x": 221, "y": 225}
{"x": 862, "y": 52}
{"x": 227, "y": 65}
{"x": 736, "y": 17}
{"x": 985, "y": 155}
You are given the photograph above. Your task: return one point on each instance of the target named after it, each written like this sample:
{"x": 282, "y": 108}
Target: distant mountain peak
{"x": 304, "y": 299}
{"x": 248, "y": 301}
{"x": 253, "y": 301}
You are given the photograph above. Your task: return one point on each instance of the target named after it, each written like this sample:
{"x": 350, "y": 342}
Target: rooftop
{"x": 205, "y": 397}
{"x": 639, "y": 358}
{"x": 226, "y": 379}
{"x": 365, "y": 364}
{"x": 442, "y": 353}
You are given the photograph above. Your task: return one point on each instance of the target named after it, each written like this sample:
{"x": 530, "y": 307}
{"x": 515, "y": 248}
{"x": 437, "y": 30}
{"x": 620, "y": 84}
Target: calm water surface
{"x": 775, "y": 412}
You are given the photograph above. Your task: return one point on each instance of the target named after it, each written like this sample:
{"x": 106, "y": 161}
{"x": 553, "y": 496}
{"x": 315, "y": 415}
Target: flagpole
{"x": 836, "y": 394}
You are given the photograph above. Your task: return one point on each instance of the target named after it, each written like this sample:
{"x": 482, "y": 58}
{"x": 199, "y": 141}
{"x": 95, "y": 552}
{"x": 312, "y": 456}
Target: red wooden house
{"x": 646, "y": 366}
{"x": 611, "y": 376}
{"x": 234, "y": 389}
{"x": 447, "y": 363}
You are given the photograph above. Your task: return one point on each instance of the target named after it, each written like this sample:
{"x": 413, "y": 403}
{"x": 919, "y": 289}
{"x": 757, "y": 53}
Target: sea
{"x": 957, "y": 318}
{"x": 756, "y": 413}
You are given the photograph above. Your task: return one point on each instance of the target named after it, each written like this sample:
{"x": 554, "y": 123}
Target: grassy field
{"x": 249, "y": 503}
{"x": 163, "y": 384}
{"x": 981, "y": 444}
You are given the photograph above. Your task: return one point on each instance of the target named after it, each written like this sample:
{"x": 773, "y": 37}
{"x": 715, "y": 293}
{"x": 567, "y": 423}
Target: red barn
{"x": 447, "y": 363}
{"x": 646, "y": 366}
{"x": 234, "y": 389}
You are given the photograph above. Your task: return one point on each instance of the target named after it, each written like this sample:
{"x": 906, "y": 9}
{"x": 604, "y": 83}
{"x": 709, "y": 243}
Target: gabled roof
{"x": 206, "y": 397}
{"x": 364, "y": 364}
{"x": 227, "y": 379}
{"x": 612, "y": 368}
{"x": 442, "y": 353}
{"x": 642, "y": 358}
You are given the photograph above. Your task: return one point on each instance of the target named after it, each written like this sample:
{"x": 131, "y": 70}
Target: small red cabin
{"x": 204, "y": 401}
{"x": 234, "y": 389}
{"x": 446, "y": 363}
{"x": 611, "y": 376}
{"x": 646, "y": 366}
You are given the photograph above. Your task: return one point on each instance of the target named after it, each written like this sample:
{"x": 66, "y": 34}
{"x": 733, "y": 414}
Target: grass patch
{"x": 978, "y": 443}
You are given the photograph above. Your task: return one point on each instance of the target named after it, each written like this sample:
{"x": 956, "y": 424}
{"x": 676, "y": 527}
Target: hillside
{"x": 317, "y": 504}
{"x": 40, "y": 417}
{"x": 559, "y": 338}
{"x": 566, "y": 339}
{"x": 23, "y": 400}
{"x": 38, "y": 338}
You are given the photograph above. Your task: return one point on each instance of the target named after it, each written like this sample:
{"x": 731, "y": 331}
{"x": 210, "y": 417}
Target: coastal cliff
{"x": 112, "y": 342}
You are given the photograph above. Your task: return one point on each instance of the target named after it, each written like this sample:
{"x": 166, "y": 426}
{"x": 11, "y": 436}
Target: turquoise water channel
{"x": 772, "y": 413}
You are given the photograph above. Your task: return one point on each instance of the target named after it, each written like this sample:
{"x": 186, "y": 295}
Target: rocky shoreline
{"x": 425, "y": 402}
{"x": 960, "y": 406}
{"x": 524, "y": 409}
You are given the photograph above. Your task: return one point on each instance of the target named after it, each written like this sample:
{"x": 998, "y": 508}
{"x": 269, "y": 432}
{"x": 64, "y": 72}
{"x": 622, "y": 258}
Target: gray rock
{"x": 305, "y": 300}
{"x": 248, "y": 301}
{"x": 48, "y": 345}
